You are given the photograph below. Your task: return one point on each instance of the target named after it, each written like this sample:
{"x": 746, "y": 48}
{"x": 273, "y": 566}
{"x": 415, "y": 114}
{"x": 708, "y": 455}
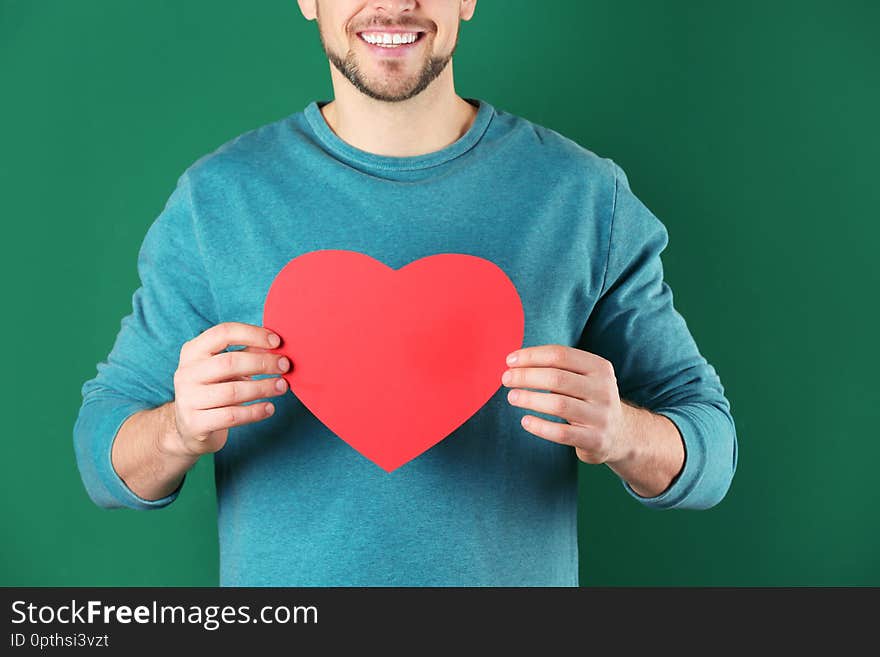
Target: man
{"x": 399, "y": 167}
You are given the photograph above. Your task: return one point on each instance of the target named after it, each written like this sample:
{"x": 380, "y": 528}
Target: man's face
{"x": 415, "y": 39}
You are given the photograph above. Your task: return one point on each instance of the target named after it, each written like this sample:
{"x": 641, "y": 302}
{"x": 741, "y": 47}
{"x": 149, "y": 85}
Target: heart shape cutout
{"x": 393, "y": 361}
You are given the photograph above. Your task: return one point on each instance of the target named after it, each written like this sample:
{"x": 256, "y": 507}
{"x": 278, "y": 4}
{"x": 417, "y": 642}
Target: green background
{"x": 750, "y": 128}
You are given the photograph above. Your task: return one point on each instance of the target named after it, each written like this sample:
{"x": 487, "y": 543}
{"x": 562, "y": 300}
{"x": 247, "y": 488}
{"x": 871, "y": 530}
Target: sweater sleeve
{"x": 656, "y": 360}
{"x": 173, "y": 304}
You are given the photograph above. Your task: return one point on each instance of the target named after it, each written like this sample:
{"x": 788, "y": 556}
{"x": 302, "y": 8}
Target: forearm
{"x": 139, "y": 459}
{"x": 654, "y": 453}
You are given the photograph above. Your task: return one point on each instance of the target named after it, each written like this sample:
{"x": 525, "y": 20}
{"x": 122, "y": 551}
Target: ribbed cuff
{"x": 94, "y": 432}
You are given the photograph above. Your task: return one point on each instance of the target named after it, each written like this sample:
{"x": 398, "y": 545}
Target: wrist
{"x": 653, "y": 453}
{"x": 626, "y": 441}
{"x": 168, "y": 441}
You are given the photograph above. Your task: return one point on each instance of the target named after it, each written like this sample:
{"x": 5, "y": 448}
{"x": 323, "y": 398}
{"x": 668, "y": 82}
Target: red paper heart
{"x": 393, "y": 361}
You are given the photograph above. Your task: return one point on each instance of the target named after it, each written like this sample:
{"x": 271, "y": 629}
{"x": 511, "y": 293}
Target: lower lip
{"x": 399, "y": 51}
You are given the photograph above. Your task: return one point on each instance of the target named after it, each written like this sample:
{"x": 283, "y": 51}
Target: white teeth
{"x": 389, "y": 39}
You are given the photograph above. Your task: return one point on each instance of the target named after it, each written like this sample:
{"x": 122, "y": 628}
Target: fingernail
{"x": 274, "y": 340}
{"x": 511, "y": 359}
{"x": 505, "y": 378}
{"x": 280, "y": 385}
{"x": 283, "y": 364}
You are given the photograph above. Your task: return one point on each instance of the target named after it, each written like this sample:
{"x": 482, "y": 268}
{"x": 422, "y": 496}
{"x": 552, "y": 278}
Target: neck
{"x": 425, "y": 123}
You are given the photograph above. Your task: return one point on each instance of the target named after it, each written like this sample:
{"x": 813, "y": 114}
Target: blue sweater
{"x": 491, "y": 504}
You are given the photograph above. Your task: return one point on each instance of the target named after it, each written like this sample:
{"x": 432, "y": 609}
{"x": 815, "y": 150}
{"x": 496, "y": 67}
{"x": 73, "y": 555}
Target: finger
{"x": 548, "y": 378}
{"x": 232, "y": 365}
{"x": 232, "y": 393}
{"x": 216, "y": 339}
{"x": 562, "y": 357}
{"x": 254, "y": 350}
{"x": 215, "y": 419}
{"x": 576, "y": 411}
{"x": 557, "y": 432}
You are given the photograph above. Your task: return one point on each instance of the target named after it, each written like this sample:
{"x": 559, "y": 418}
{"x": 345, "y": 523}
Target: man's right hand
{"x": 211, "y": 384}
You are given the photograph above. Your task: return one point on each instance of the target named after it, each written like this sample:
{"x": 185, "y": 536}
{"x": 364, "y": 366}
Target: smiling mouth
{"x": 390, "y": 40}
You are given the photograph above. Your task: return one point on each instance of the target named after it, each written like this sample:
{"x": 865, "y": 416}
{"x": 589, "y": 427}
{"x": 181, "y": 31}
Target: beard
{"x": 392, "y": 89}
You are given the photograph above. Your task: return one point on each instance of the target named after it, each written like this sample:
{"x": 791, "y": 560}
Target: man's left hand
{"x": 582, "y": 389}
